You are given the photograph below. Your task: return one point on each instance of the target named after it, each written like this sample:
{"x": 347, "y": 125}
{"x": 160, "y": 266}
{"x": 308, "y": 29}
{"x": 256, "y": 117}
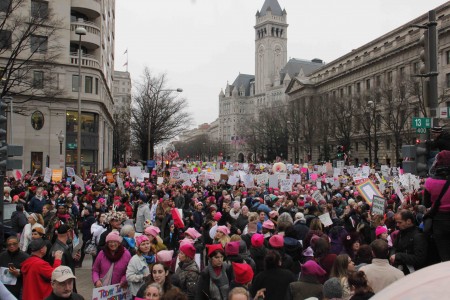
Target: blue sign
{"x": 151, "y": 163}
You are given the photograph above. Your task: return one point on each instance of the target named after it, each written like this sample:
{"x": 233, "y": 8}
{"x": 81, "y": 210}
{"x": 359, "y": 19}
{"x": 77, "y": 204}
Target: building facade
{"x": 42, "y": 120}
{"x": 122, "y": 119}
{"x": 371, "y": 95}
{"x": 241, "y": 101}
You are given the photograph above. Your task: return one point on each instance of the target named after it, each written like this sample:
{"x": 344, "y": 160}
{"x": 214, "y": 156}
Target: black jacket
{"x": 442, "y": 142}
{"x": 18, "y": 221}
{"x": 203, "y": 292}
{"x": 410, "y": 248}
{"x": 16, "y": 258}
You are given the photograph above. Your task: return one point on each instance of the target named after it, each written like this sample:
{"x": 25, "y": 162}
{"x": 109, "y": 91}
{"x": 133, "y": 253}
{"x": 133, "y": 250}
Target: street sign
{"x": 421, "y": 122}
{"x": 422, "y": 130}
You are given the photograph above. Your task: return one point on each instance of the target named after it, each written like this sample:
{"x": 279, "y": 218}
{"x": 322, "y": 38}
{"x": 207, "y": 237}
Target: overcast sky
{"x": 202, "y": 44}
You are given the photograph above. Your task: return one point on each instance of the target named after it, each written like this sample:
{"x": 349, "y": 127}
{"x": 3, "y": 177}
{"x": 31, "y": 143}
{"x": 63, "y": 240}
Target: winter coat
{"x": 301, "y": 229}
{"x": 143, "y": 214}
{"x": 16, "y": 258}
{"x": 102, "y": 265}
{"x": 258, "y": 255}
{"x": 304, "y": 289}
{"x": 410, "y": 249}
{"x": 86, "y": 228}
{"x": 276, "y": 281}
{"x": 18, "y": 221}
{"x": 37, "y": 274}
{"x": 187, "y": 276}
{"x": 203, "y": 285}
{"x": 137, "y": 271}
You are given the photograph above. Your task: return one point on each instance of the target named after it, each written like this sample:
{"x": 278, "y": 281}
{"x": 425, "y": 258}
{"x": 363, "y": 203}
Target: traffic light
{"x": 424, "y": 54}
{"x": 340, "y": 152}
{"x": 415, "y": 159}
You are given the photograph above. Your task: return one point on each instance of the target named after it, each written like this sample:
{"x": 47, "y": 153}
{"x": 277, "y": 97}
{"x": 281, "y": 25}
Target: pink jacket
{"x": 434, "y": 187}
{"x": 102, "y": 265}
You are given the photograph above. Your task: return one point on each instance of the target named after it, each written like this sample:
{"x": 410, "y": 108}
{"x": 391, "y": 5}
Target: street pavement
{"x": 84, "y": 281}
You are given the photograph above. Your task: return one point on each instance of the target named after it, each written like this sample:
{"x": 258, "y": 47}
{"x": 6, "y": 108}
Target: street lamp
{"x": 80, "y": 31}
{"x": 61, "y": 140}
{"x": 375, "y": 142}
{"x": 149, "y": 144}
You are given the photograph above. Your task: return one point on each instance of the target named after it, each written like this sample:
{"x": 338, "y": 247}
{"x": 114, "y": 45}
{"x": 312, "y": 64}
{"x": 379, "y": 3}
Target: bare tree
{"x": 29, "y": 50}
{"x": 122, "y": 136}
{"x": 345, "y": 111}
{"x": 157, "y": 113}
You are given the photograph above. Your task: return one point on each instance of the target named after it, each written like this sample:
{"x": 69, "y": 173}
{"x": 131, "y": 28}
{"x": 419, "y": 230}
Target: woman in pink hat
{"x": 222, "y": 235}
{"x": 138, "y": 269}
{"x": 187, "y": 272}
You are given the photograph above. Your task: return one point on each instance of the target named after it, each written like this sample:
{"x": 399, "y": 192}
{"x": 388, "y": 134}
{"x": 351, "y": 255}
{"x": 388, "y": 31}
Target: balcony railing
{"x": 87, "y": 60}
{"x": 89, "y": 26}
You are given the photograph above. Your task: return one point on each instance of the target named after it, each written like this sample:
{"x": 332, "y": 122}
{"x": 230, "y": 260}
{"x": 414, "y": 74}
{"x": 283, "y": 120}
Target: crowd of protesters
{"x": 213, "y": 240}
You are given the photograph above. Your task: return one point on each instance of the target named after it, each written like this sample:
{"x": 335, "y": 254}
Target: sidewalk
{"x": 84, "y": 281}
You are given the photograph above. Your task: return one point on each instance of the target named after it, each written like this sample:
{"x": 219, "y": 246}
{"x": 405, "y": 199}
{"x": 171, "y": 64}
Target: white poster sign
{"x": 135, "y": 172}
{"x": 48, "y": 175}
{"x": 326, "y": 219}
{"x": 79, "y": 182}
{"x": 273, "y": 181}
{"x": 285, "y": 185}
{"x": 111, "y": 292}
{"x": 378, "y": 205}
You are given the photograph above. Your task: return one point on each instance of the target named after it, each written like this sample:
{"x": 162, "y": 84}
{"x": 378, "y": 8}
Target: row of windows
{"x": 38, "y": 43}
{"x": 90, "y": 85}
{"x": 39, "y": 8}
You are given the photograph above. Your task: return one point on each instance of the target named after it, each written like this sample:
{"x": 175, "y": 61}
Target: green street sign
{"x": 421, "y": 122}
{"x": 422, "y": 130}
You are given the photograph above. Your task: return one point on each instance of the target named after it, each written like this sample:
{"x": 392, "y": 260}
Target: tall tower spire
{"x": 270, "y": 44}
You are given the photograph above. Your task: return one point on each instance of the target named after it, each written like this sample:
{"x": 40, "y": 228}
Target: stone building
{"x": 367, "y": 98}
{"x": 40, "y": 120}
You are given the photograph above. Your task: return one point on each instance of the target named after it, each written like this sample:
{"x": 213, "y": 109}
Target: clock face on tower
{"x": 37, "y": 120}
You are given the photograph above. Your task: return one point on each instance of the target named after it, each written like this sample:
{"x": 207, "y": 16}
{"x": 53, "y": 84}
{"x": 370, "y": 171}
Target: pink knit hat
{"x": 257, "y": 240}
{"x": 140, "y": 239}
{"x": 380, "y": 230}
{"x": 193, "y": 233}
{"x": 152, "y": 230}
{"x": 268, "y": 225}
{"x": 276, "y": 241}
{"x": 217, "y": 216}
{"x": 232, "y": 248}
{"x": 113, "y": 236}
{"x": 188, "y": 250}
{"x": 312, "y": 268}
{"x": 223, "y": 229}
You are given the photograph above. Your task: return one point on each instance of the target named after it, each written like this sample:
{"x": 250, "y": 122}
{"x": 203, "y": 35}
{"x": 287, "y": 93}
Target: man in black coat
{"x": 409, "y": 252}
{"x": 18, "y": 219}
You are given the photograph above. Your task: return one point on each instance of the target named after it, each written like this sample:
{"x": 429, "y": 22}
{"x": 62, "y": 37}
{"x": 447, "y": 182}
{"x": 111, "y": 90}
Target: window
{"x": 447, "y": 80}
{"x": 39, "y": 9}
{"x": 74, "y": 83}
{"x": 88, "y": 84}
{"x": 389, "y": 77}
{"x": 96, "y": 86}
{"x": 5, "y": 6}
{"x": 416, "y": 68}
{"x": 447, "y": 56}
{"x": 358, "y": 87}
{"x": 378, "y": 80}
{"x": 367, "y": 84}
{"x": 388, "y": 144}
{"x": 5, "y": 39}
{"x": 38, "y": 43}
{"x": 38, "y": 79}
{"x": 349, "y": 90}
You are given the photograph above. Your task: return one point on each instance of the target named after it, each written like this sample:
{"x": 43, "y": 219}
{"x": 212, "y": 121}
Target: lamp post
{"x": 149, "y": 144}
{"x": 80, "y": 31}
{"x": 375, "y": 142}
{"x": 61, "y": 140}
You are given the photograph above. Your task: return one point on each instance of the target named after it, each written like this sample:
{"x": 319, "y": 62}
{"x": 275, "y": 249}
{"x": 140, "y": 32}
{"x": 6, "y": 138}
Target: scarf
{"x": 130, "y": 241}
{"x": 218, "y": 284}
{"x": 113, "y": 257}
{"x": 150, "y": 259}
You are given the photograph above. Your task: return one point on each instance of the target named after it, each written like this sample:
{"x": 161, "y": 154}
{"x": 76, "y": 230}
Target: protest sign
{"x": 296, "y": 178}
{"x": 135, "y": 172}
{"x": 57, "y": 175}
{"x": 262, "y": 179}
{"x": 273, "y": 181}
{"x": 378, "y": 205}
{"x": 317, "y": 196}
{"x": 120, "y": 183}
{"x": 79, "y": 182}
{"x": 248, "y": 181}
{"x": 326, "y": 219}
{"x": 113, "y": 291}
{"x": 48, "y": 175}
{"x": 70, "y": 171}
{"x": 232, "y": 180}
{"x": 110, "y": 177}
{"x": 367, "y": 190}
{"x": 160, "y": 180}
{"x": 285, "y": 185}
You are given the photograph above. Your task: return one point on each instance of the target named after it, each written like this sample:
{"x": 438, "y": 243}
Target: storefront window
{"x": 89, "y": 122}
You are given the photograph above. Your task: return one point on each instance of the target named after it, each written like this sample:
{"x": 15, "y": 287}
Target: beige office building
{"x": 39, "y": 121}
